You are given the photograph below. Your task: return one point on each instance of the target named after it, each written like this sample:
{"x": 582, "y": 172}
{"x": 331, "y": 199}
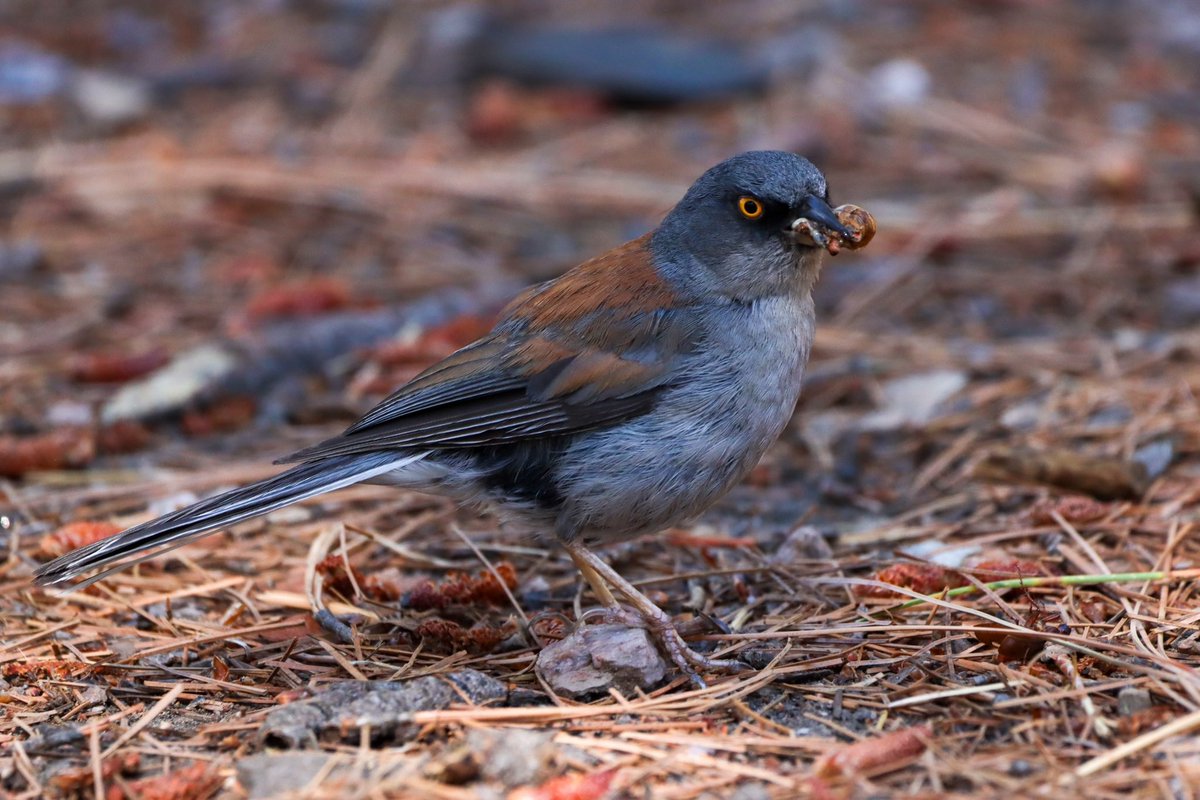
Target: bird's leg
{"x": 599, "y": 587}
{"x": 597, "y": 572}
{"x": 609, "y": 609}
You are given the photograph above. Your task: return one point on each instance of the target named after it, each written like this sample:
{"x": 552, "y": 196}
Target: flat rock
{"x": 272, "y": 774}
{"x": 1133, "y": 699}
{"x": 914, "y": 400}
{"x": 596, "y": 658}
{"x": 341, "y": 710}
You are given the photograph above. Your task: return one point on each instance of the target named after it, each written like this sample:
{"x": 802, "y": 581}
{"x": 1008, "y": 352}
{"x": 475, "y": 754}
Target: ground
{"x": 292, "y": 207}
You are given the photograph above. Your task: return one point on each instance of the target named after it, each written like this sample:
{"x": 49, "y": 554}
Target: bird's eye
{"x": 750, "y": 207}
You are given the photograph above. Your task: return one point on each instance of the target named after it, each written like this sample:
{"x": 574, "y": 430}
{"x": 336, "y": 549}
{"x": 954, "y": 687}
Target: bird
{"x": 623, "y": 398}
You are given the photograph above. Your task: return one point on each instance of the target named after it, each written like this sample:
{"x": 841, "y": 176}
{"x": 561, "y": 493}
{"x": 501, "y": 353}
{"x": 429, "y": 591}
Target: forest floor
{"x": 290, "y": 208}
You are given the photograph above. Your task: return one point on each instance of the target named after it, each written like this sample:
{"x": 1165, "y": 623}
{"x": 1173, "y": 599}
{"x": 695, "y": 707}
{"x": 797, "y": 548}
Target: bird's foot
{"x": 643, "y": 614}
{"x": 667, "y": 636}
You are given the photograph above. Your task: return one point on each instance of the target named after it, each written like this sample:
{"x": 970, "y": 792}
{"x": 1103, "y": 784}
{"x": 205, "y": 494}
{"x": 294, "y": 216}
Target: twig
{"x": 162, "y": 705}
{"x": 1177, "y": 727}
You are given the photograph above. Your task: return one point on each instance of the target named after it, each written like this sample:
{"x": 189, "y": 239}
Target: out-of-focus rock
{"x": 803, "y": 544}
{"x": 107, "y": 98}
{"x": 29, "y": 75}
{"x": 1132, "y": 699}
{"x": 18, "y": 260}
{"x": 511, "y": 757}
{"x": 1155, "y": 456}
{"x": 596, "y": 658}
{"x": 67, "y": 413}
{"x": 1182, "y": 304}
{"x": 171, "y": 387}
{"x": 1023, "y": 416}
{"x": 343, "y": 709}
{"x": 898, "y": 84}
{"x": 266, "y": 775}
{"x": 640, "y": 65}
{"x": 254, "y": 364}
{"x": 937, "y": 552}
{"x": 913, "y": 400}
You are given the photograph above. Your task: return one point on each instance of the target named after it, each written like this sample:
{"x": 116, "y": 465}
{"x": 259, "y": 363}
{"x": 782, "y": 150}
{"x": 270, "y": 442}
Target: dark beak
{"x": 814, "y": 209}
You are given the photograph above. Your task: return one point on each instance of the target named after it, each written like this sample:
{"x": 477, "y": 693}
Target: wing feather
{"x": 546, "y": 369}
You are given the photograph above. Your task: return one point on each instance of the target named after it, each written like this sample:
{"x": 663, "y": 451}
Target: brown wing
{"x": 567, "y": 356}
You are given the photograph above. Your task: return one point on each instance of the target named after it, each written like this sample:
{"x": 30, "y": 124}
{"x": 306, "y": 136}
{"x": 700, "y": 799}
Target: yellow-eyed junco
{"x": 620, "y": 399}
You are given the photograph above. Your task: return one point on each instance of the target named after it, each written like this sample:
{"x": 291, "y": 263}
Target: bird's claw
{"x": 668, "y": 638}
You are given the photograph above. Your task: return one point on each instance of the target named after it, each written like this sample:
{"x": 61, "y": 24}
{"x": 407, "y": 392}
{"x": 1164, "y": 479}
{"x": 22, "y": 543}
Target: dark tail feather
{"x": 206, "y": 516}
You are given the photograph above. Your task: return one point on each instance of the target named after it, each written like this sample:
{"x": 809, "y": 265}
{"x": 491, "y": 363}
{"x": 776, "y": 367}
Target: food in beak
{"x": 857, "y": 221}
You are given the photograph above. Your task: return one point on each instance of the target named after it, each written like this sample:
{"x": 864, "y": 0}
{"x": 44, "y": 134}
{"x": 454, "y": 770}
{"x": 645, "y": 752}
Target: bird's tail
{"x": 179, "y": 527}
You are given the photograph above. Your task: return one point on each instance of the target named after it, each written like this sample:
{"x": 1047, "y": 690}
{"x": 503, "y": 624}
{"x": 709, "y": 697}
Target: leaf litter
{"x": 967, "y": 567}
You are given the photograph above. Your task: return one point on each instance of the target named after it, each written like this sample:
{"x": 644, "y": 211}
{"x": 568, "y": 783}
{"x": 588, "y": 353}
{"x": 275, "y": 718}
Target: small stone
{"x": 19, "y": 259}
{"x": 341, "y": 710}
{"x": 938, "y": 552}
{"x": 1131, "y": 700}
{"x": 513, "y": 757}
{"x": 596, "y": 658}
{"x": 271, "y": 775}
{"x": 93, "y": 696}
{"x": 29, "y": 75}
{"x": 171, "y": 387}
{"x": 803, "y": 544}
{"x": 1155, "y": 456}
{"x": 899, "y": 83}
{"x": 1023, "y": 416}
{"x": 750, "y": 791}
{"x": 914, "y": 400}
{"x": 110, "y": 99}
{"x": 67, "y": 413}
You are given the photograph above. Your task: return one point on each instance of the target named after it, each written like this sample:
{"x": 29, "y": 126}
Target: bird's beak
{"x": 814, "y": 209}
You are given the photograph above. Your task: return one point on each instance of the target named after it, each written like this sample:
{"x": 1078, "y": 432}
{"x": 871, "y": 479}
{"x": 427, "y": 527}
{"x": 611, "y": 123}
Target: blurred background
{"x": 228, "y": 227}
{"x": 283, "y": 209}
{"x": 224, "y": 216}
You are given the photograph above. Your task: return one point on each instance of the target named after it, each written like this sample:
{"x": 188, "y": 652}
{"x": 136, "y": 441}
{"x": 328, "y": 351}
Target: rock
{"x": 107, "y": 98}
{"x": 93, "y": 696}
{"x": 1023, "y": 416}
{"x": 296, "y": 724}
{"x": 254, "y": 365}
{"x": 899, "y": 83}
{"x": 803, "y": 544}
{"x": 751, "y": 791}
{"x": 29, "y": 75}
{"x": 1132, "y": 699}
{"x": 513, "y": 757}
{"x": 638, "y": 65}
{"x": 172, "y": 386}
{"x": 1182, "y": 301}
{"x": 19, "y": 259}
{"x": 596, "y": 658}
{"x": 69, "y": 414}
{"x": 1155, "y": 456}
{"x": 913, "y": 400}
{"x": 341, "y": 710}
{"x": 937, "y": 552}
{"x": 274, "y": 774}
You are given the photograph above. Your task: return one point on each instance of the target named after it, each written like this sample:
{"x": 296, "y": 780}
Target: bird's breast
{"x": 729, "y": 401}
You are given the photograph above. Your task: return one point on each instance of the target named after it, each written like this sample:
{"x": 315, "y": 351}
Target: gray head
{"x": 733, "y": 231}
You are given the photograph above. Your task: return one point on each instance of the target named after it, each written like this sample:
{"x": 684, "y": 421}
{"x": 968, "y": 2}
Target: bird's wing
{"x": 567, "y": 356}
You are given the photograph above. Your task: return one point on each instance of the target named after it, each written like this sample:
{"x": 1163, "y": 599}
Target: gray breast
{"x": 731, "y": 402}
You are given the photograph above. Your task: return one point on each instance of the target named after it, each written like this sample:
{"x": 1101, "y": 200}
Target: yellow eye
{"x": 750, "y": 207}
